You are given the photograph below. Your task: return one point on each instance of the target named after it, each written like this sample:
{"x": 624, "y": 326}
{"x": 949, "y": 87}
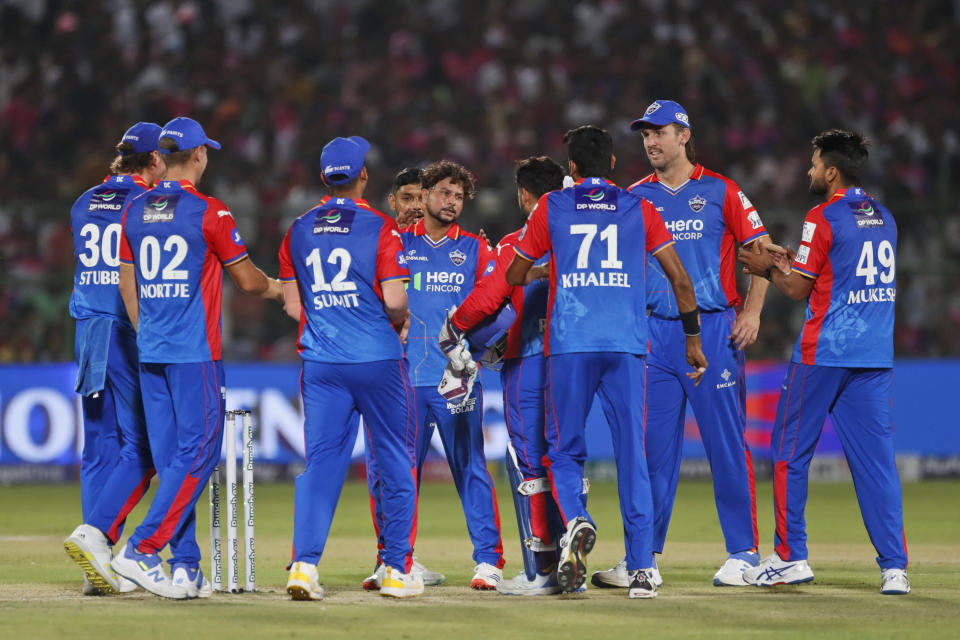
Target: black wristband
{"x": 691, "y": 322}
{"x": 768, "y": 273}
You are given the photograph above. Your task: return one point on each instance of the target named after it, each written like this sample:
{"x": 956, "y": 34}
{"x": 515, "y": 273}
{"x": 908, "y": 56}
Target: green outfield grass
{"x": 40, "y": 586}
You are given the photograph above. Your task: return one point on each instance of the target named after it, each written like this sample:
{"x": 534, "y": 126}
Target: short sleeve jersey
{"x": 849, "y": 247}
{"x": 442, "y": 274}
{"x": 530, "y": 303}
{"x": 178, "y": 241}
{"x": 339, "y": 253}
{"x": 598, "y": 233}
{"x": 95, "y": 221}
{"x": 707, "y": 216}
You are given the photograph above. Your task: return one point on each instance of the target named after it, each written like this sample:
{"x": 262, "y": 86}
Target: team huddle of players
{"x": 628, "y": 296}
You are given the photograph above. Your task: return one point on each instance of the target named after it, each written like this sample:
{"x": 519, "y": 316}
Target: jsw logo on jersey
{"x": 685, "y": 229}
{"x": 438, "y": 281}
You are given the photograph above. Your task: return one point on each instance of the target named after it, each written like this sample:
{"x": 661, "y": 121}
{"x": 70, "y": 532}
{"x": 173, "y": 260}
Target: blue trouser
{"x": 523, "y": 393}
{"x": 332, "y": 393}
{"x": 116, "y": 466}
{"x": 719, "y": 404}
{"x": 185, "y": 404}
{"x": 619, "y": 379}
{"x": 859, "y": 403}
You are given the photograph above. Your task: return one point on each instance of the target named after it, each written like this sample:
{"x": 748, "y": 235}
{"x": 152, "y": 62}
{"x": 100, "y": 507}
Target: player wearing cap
{"x": 406, "y": 198}
{"x": 708, "y": 215}
{"x": 174, "y": 245}
{"x": 344, "y": 271}
{"x": 522, "y": 377}
{"x": 445, "y": 264}
{"x": 116, "y": 466}
{"x": 596, "y": 342}
{"x": 842, "y": 363}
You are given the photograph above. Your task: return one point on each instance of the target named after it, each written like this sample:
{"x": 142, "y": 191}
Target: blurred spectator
{"x": 481, "y": 83}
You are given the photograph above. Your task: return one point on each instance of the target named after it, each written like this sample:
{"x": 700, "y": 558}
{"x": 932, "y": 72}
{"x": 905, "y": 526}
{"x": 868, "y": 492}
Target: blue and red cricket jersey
{"x": 590, "y": 269}
{"x": 442, "y": 274}
{"x": 339, "y": 271}
{"x": 849, "y": 246}
{"x": 182, "y": 240}
{"x": 707, "y": 216}
{"x": 96, "y": 219}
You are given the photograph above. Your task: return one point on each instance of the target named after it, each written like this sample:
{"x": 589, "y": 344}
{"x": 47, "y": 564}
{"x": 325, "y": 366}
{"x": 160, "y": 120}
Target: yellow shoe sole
{"x": 83, "y": 559}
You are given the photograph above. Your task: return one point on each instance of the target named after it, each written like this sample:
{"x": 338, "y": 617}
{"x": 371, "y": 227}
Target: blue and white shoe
{"x": 521, "y": 585}
{"x": 894, "y": 582}
{"x": 731, "y": 573}
{"x": 191, "y": 579}
{"x": 773, "y": 571}
{"x": 146, "y": 570}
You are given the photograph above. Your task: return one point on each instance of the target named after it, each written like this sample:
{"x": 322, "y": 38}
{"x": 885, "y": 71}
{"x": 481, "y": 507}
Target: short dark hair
{"x": 538, "y": 175}
{"x": 410, "y": 175}
{"x": 845, "y": 150}
{"x": 591, "y": 149}
{"x": 457, "y": 173}
{"x": 129, "y": 161}
{"x": 176, "y": 157}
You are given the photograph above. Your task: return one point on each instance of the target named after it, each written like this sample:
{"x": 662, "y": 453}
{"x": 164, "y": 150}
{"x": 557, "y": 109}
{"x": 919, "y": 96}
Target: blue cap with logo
{"x": 342, "y": 159}
{"x": 187, "y": 133}
{"x": 660, "y": 113}
{"x": 143, "y": 136}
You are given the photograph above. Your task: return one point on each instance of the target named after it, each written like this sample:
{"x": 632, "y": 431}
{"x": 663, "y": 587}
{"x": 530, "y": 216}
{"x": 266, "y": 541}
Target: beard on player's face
{"x": 445, "y": 214}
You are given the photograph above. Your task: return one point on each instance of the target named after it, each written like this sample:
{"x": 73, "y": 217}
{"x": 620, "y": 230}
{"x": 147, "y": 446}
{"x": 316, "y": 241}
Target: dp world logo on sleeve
{"x": 334, "y": 221}
{"x": 160, "y": 208}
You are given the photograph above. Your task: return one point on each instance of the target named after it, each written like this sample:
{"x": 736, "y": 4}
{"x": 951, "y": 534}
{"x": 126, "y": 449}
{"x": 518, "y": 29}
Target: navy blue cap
{"x": 661, "y": 112}
{"x": 343, "y": 158}
{"x": 187, "y": 133}
{"x": 144, "y": 137}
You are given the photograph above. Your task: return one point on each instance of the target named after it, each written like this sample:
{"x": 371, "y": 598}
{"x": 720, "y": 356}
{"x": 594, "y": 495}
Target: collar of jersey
{"x": 840, "y": 193}
{"x": 604, "y": 179}
{"x": 137, "y": 180}
{"x": 420, "y": 230}
{"x": 360, "y": 202}
{"x": 696, "y": 174}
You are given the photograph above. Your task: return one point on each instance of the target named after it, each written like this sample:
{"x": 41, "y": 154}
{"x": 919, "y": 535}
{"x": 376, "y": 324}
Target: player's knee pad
{"x": 538, "y": 518}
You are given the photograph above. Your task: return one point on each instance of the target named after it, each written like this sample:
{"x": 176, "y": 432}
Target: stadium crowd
{"x": 482, "y": 83}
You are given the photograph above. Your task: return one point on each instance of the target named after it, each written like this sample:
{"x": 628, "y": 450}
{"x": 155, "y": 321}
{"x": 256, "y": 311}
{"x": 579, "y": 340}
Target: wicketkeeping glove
{"x": 454, "y": 345}
{"x": 456, "y": 386}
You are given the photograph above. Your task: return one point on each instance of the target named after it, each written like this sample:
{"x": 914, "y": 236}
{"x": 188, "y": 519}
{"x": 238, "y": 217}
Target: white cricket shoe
{"x": 89, "y": 589}
{"x": 486, "y": 577}
{"x": 575, "y": 544}
{"x": 773, "y": 571}
{"x": 192, "y": 580}
{"x": 641, "y": 585}
{"x": 430, "y": 578}
{"x": 521, "y": 585}
{"x": 375, "y": 580}
{"x": 303, "y": 582}
{"x": 401, "y": 585}
{"x": 894, "y": 582}
{"x": 89, "y": 548}
{"x": 619, "y": 577}
{"x": 146, "y": 570}
{"x": 731, "y": 573}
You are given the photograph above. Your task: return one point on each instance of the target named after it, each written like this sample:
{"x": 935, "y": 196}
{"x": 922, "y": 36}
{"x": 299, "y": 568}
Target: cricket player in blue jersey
{"x": 174, "y": 245}
{"x": 116, "y": 465}
{"x": 596, "y": 342}
{"x": 845, "y": 268}
{"x": 445, "y": 264}
{"x": 708, "y": 215}
{"x": 344, "y": 272}
{"x": 522, "y": 377}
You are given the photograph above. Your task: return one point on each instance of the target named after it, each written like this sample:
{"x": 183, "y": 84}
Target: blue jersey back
{"x": 339, "y": 253}
{"x": 178, "y": 241}
{"x": 599, "y": 234}
{"x": 849, "y": 244}
{"x": 706, "y": 216}
{"x": 441, "y": 275}
{"x": 533, "y": 319}
{"x": 95, "y": 220}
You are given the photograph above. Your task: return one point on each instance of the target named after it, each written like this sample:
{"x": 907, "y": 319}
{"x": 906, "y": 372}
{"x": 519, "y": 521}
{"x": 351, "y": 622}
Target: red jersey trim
{"x": 419, "y": 229}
